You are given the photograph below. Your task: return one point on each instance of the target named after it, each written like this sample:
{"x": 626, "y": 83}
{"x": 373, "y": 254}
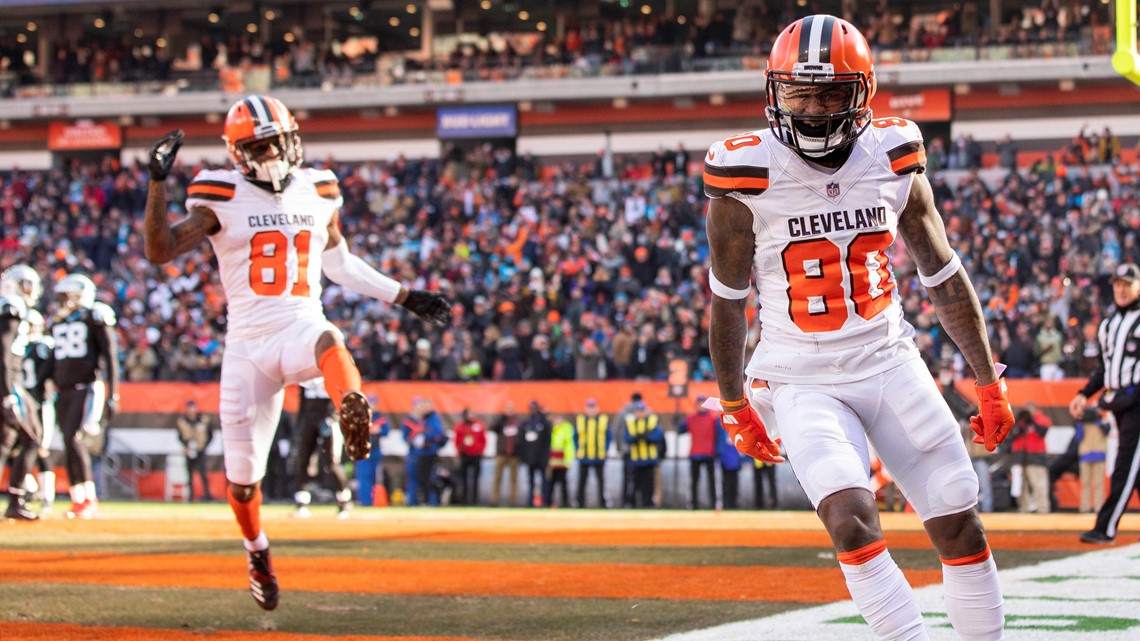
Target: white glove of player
{"x": 92, "y": 428}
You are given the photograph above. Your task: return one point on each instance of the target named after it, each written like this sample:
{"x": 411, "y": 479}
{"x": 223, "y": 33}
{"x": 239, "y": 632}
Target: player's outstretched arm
{"x": 344, "y": 268}
{"x": 946, "y": 281}
{"x": 162, "y": 241}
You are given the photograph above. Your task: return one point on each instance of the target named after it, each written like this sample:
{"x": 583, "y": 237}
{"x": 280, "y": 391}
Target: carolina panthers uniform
{"x": 838, "y": 356}
{"x": 39, "y": 363}
{"x": 19, "y": 427}
{"x": 269, "y": 254}
{"x": 85, "y": 346}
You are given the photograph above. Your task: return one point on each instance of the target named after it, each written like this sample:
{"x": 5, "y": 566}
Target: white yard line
{"x": 1094, "y": 596}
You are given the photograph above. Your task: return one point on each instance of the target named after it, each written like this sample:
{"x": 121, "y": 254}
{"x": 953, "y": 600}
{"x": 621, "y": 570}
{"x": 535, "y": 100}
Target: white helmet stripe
{"x": 815, "y": 39}
{"x": 260, "y": 110}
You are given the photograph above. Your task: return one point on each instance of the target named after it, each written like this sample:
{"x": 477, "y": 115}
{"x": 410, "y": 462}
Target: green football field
{"x": 168, "y": 572}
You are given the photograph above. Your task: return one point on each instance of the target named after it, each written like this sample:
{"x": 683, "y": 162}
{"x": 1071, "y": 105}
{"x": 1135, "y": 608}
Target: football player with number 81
{"x": 811, "y": 205}
{"x": 275, "y": 228}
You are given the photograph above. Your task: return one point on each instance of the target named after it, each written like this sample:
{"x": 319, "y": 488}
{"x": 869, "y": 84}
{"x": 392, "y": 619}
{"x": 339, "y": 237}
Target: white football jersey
{"x": 269, "y": 245}
{"x": 829, "y": 307}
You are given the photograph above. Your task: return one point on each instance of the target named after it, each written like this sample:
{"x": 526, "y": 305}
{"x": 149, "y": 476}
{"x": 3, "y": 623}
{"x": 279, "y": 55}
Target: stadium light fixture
{"x": 31, "y": 26}
{"x": 270, "y": 15}
{"x": 524, "y": 15}
{"x": 411, "y": 8}
{"x": 541, "y": 26}
{"x": 21, "y": 38}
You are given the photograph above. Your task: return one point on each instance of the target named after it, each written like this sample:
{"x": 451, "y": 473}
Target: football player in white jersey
{"x": 274, "y": 227}
{"x": 811, "y": 205}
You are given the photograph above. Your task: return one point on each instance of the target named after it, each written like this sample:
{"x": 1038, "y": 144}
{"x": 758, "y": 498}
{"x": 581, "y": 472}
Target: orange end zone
{"x": 429, "y": 577}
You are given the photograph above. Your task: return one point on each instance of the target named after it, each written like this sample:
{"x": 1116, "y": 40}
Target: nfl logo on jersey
{"x": 832, "y": 190}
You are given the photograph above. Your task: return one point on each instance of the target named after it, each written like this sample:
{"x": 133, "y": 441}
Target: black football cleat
{"x": 262, "y": 581}
{"x": 1096, "y": 537}
{"x": 18, "y": 511}
{"x": 355, "y": 421}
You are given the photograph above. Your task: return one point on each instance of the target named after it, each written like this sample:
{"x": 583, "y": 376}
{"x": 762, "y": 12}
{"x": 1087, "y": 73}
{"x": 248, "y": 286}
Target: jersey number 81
{"x": 268, "y": 263}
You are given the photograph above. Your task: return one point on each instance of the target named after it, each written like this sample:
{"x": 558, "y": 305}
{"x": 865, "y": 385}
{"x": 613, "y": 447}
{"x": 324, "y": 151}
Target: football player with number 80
{"x": 811, "y": 204}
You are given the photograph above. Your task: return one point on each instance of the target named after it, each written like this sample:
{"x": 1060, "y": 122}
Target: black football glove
{"x": 162, "y": 154}
{"x": 429, "y": 306}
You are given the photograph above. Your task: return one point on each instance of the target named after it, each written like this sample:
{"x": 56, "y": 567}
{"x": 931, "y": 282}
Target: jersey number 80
{"x": 815, "y": 270}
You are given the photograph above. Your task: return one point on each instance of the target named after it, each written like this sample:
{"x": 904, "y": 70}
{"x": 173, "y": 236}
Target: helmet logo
{"x": 813, "y": 71}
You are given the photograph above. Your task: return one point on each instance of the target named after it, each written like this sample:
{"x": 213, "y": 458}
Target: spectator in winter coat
{"x": 470, "y": 442}
{"x": 424, "y": 433}
{"x": 701, "y": 427}
{"x": 535, "y": 452}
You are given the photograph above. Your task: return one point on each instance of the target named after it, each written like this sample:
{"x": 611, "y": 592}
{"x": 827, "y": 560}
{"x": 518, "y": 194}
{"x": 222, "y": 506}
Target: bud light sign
{"x": 500, "y": 121}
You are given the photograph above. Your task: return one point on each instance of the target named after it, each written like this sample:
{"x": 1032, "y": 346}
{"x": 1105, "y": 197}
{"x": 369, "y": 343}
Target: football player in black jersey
{"x": 39, "y": 358}
{"x": 85, "y": 347}
{"x": 20, "y": 289}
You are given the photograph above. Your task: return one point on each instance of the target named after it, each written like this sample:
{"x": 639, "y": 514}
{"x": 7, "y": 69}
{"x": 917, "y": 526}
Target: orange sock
{"x": 248, "y": 514}
{"x": 339, "y": 370}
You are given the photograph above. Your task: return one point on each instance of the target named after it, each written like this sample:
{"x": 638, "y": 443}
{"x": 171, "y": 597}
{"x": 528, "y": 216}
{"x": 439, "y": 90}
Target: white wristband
{"x": 343, "y": 268}
{"x": 943, "y": 274}
{"x": 724, "y": 291}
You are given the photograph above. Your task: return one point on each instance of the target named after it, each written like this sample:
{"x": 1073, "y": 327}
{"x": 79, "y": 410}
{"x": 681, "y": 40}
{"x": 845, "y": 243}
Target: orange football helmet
{"x": 820, "y": 83}
{"x": 261, "y": 136}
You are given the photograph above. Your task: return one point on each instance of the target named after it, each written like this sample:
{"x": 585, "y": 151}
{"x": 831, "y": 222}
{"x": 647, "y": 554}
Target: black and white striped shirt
{"x": 1119, "y": 337}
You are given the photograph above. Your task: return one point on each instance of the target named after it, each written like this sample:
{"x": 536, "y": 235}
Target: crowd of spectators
{"x": 568, "y": 271}
{"x": 652, "y": 43}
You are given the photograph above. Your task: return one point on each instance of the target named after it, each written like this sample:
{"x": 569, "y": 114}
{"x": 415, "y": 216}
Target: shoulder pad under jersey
{"x": 42, "y": 349}
{"x": 213, "y": 185}
{"x": 14, "y": 307}
{"x": 738, "y": 164}
{"x": 901, "y": 139}
{"x": 325, "y": 182}
{"x": 103, "y": 314}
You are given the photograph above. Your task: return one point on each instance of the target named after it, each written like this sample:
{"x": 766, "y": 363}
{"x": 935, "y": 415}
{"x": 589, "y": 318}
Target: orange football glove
{"x": 748, "y": 434}
{"x": 995, "y": 416}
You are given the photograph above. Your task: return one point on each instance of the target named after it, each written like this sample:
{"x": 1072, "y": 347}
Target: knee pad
{"x": 951, "y": 489}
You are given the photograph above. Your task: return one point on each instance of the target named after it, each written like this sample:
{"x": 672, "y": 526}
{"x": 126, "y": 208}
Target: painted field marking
{"x": 1086, "y": 597}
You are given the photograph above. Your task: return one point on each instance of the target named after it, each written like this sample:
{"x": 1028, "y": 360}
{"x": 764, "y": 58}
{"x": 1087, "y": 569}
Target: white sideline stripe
{"x": 1103, "y": 583}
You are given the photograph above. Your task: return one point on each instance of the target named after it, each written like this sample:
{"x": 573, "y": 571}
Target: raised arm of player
{"x": 731, "y": 246}
{"x": 957, "y": 305}
{"x": 344, "y": 268}
{"x": 163, "y": 241}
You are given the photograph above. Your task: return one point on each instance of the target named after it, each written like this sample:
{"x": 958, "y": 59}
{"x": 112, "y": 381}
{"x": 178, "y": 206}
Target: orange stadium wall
{"x": 554, "y": 396}
{"x": 157, "y": 404}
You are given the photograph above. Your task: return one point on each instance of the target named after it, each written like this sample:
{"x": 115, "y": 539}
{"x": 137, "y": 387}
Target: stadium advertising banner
{"x": 83, "y": 136}
{"x": 483, "y": 121}
{"x": 924, "y": 105}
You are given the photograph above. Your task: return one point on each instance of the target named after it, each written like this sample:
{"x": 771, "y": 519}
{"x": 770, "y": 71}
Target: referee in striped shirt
{"x": 1119, "y": 377}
